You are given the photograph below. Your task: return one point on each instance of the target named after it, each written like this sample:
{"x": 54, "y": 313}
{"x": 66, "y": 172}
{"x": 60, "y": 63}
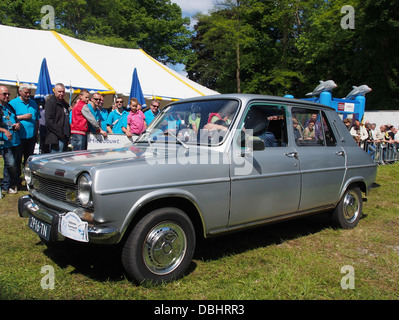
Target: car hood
{"x": 68, "y": 165}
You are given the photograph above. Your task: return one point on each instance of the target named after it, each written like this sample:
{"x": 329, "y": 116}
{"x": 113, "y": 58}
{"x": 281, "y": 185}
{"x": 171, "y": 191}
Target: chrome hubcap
{"x": 164, "y": 248}
{"x": 351, "y": 206}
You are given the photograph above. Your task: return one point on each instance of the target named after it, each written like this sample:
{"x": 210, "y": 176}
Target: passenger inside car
{"x": 309, "y": 132}
{"x": 297, "y": 129}
{"x": 316, "y": 131}
{"x": 267, "y": 123}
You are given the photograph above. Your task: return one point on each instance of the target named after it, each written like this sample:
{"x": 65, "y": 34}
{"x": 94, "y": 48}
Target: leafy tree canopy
{"x": 287, "y": 46}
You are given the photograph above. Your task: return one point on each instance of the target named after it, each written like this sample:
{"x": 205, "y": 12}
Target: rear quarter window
{"x": 312, "y": 128}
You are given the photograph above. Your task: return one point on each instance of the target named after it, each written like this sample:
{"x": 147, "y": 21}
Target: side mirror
{"x": 252, "y": 142}
{"x": 258, "y": 144}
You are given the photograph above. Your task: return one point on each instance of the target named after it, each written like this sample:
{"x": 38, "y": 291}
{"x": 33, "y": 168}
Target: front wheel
{"x": 349, "y": 210}
{"x": 160, "y": 246}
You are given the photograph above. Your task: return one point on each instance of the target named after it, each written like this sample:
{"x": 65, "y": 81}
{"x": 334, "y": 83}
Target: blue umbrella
{"x": 135, "y": 91}
{"x": 44, "y": 87}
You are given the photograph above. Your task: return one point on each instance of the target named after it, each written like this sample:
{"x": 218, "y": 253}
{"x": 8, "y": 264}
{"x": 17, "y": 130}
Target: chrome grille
{"x": 55, "y": 189}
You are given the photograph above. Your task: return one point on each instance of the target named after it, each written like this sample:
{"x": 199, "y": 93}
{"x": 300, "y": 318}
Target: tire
{"x": 349, "y": 210}
{"x": 160, "y": 247}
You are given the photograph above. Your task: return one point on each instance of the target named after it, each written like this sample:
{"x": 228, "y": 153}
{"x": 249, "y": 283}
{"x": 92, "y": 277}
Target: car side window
{"x": 311, "y": 128}
{"x": 267, "y": 123}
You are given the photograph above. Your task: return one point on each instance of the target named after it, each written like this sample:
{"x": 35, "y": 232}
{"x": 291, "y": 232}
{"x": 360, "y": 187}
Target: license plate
{"x": 39, "y": 227}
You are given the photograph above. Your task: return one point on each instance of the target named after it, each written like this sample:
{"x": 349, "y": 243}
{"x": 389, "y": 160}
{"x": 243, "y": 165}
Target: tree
{"x": 224, "y": 34}
{"x": 327, "y": 50}
{"x": 277, "y": 26}
{"x": 21, "y": 13}
{"x": 253, "y": 37}
{"x": 202, "y": 65}
{"x": 366, "y": 54}
{"x": 379, "y": 32}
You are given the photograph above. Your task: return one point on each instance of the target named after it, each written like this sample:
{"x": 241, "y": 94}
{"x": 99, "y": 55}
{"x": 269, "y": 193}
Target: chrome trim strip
{"x": 163, "y": 186}
{"x": 269, "y": 220}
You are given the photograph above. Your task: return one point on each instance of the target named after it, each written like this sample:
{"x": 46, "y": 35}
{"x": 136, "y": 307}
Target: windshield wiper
{"x": 154, "y": 139}
{"x": 185, "y": 146}
{"x": 140, "y": 139}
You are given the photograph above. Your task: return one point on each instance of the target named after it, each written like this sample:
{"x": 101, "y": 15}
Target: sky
{"x": 192, "y": 7}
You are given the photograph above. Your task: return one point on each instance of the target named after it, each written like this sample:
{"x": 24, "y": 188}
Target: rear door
{"x": 322, "y": 160}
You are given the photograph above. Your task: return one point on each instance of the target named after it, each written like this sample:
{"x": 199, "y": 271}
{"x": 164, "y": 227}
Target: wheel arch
{"x": 171, "y": 199}
{"x": 354, "y": 182}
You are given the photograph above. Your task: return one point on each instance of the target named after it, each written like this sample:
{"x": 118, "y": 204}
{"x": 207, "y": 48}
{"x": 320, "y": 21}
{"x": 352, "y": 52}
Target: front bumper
{"x": 97, "y": 233}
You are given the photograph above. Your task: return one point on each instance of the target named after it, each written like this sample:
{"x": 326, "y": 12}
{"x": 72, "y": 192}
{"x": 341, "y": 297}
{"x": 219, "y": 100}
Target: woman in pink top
{"x": 135, "y": 120}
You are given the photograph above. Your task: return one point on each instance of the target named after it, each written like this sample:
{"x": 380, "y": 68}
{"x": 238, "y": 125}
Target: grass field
{"x": 298, "y": 259}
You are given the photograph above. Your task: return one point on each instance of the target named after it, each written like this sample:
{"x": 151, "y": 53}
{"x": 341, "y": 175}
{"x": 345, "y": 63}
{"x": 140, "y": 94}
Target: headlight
{"x": 28, "y": 176}
{"x": 84, "y": 190}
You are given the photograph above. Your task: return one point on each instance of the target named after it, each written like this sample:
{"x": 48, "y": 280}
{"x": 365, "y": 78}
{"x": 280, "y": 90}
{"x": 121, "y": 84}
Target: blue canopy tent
{"x": 44, "y": 87}
{"x": 135, "y": 91}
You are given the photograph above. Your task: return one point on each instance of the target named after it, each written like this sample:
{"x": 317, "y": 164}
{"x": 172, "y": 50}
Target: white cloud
{"x": 192, "y": 7}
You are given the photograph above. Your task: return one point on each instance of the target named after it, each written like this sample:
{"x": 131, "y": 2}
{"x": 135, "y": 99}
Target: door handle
{"x": 340, "y": 153}
{"x": 292, "y": 155}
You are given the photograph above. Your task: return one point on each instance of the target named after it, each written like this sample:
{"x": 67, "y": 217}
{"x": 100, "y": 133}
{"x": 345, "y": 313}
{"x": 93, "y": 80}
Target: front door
{"x": 264, "y": 183}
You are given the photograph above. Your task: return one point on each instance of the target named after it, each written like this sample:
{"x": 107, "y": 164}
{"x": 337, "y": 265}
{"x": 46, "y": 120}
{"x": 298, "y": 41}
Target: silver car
{"x": 205, "y": 166}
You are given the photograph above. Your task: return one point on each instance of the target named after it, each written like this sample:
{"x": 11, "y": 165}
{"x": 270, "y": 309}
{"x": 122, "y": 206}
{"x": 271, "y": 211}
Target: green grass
{"x": 298, "y": 259}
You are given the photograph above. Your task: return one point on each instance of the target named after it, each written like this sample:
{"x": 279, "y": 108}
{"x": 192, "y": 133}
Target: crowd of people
{"x": 59, "y": 125}
{"x": 381, "y": 143}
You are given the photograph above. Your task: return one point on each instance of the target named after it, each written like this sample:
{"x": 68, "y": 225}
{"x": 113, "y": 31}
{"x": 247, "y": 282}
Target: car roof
{"x": 245, "y": 97}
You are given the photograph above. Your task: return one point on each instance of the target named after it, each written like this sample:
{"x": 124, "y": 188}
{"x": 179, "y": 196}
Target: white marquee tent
{"x": 80, "y": 64}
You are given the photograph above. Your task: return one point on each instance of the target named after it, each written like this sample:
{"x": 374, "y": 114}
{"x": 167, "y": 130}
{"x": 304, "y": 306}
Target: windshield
{"x": 199, "y": 122}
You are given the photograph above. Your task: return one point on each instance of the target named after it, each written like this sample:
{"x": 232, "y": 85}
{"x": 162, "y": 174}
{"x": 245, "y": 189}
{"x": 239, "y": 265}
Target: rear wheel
{"x": 349, "y": 210}
{"x": 160, "y": 246}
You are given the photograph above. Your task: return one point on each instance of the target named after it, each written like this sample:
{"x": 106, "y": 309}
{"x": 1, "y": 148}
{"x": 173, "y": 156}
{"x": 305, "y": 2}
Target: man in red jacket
{"x": 81, "y": 117}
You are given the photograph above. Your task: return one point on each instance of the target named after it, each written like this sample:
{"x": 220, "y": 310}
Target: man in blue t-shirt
{"x": 94, "y": 107}
{"x": 27, "y": 112}
{"x": 151, "y": 113}
{"x": 103, "y": 112}
{"x": 115, "y": 118}
{"x": 9, "y": 142}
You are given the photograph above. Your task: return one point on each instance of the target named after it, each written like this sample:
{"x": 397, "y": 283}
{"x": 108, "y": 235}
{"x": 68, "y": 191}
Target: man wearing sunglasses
{"x": 97, "y": 111}
{"x": 9, "y": 142}
{"x": 115, "y": 117}
{"x": 82, "y": 120}
{"x": 152, "y": 112}
{"x": 27, "y": 112}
